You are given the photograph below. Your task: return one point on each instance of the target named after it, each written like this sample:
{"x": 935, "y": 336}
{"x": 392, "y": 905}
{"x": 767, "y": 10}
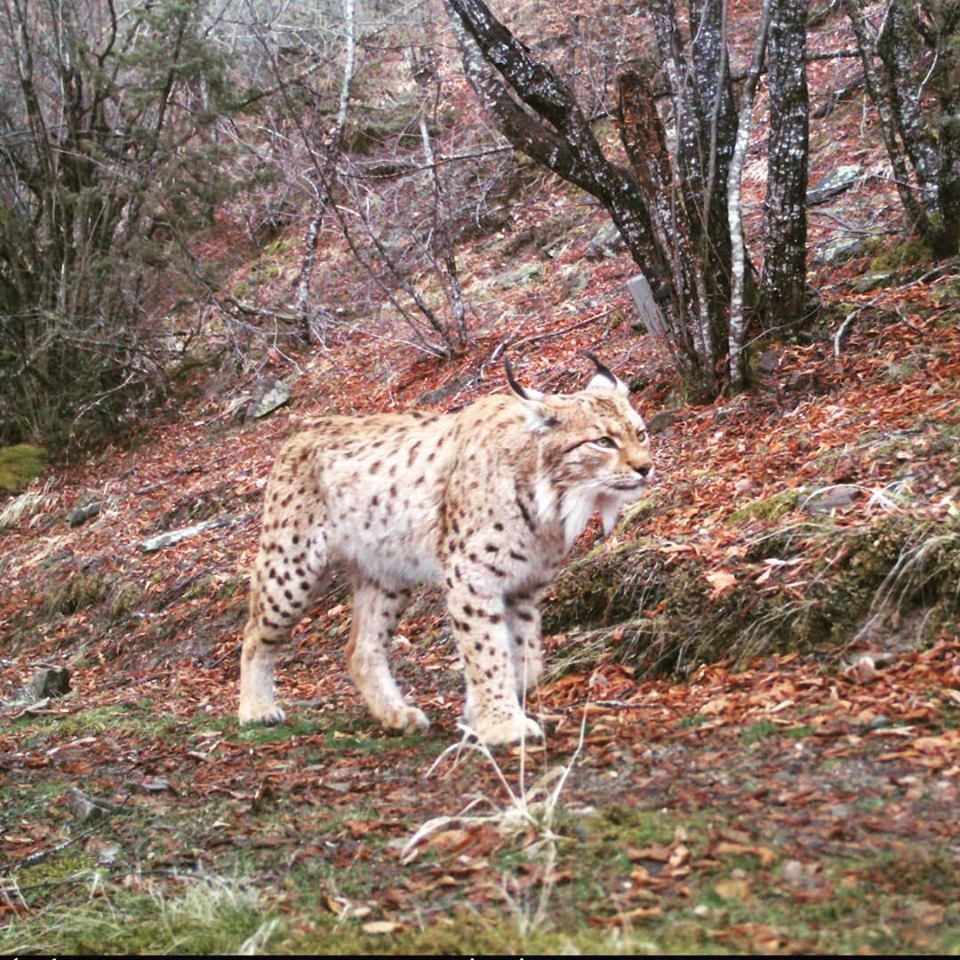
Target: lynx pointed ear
{"x": 604, "y": 378}
{"x": 524, "y": 393}
{"x": 539, "y": 414}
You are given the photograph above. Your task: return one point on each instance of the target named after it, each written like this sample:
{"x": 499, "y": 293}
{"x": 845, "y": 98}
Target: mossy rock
{"x": 769, "y": 508}
{"x": 79, "y": 592}
{"x": 656, "y": 609}
{"x": 910, "y": 253}
{"x": 21, "y": 464}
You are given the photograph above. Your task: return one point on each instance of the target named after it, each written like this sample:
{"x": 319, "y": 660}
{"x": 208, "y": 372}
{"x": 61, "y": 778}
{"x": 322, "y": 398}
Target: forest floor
{"x": 771, "y": 800}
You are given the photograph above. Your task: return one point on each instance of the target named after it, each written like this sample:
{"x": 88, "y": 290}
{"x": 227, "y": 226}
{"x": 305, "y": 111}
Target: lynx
{"x": 486, "y": 500}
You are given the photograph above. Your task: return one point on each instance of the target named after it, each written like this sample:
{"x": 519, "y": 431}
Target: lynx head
{"x": 594, "y": 453}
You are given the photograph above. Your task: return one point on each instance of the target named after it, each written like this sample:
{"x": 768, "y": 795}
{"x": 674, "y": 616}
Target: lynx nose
{"x": 644, "y": 469}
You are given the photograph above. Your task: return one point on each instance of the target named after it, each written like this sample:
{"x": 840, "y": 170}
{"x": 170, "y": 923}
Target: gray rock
{"x": 830, "y": 499}
{"x": 606, "y": 244}
{"x": 769, "y": 362}
{"x": 518, "y": 277}
{"x": 84, "y": 808}
{"x": 843, "y": 178}
{"x": 646, "y": 306}
{"x": 168, "y": 539}
{"x": 47, "y": 683}
{"x": 88, "y": 809}
{"x": 841, "y": 249}
{"x": 446, "y": 391}
{"x": 156, "y": 785}
{"x": 268, "y": 395}
{"x": 662, "y": 421}
{"x": 83, "y": 514}
{"x": 871, "y": 281}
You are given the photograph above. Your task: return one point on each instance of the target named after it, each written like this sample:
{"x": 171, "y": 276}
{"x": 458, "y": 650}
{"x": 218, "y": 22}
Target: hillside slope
{"x": 752, "y": 700}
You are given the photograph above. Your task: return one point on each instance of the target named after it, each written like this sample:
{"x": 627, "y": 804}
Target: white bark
{"x": 738, "y": 326}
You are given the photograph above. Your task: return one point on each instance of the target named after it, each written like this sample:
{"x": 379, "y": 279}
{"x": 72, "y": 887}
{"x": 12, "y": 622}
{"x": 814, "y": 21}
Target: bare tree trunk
{"x": 738, "y": 323}
{"x": 326, "y": 167}
{"x": 947, "y": 51}
{"x": 540, "y": 116}
{"x": 645, "y": 142}
{"x": 441, "y": 243}
{"x": 785, "y": 215}
{"x": 898, "y": 55}
{"x": 673, "y": 206}
{"x": 932, "y": 147}
{"x": 866, "y": 42}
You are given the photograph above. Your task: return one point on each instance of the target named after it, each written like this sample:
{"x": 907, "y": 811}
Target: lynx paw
{"x": 268, "y": 713}
{"x": 407, "y": 720}
{"x": 511, "y": 730}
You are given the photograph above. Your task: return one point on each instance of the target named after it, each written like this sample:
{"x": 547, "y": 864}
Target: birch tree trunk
{"x": 738, "y": 320}
{"x": 785, "y": 216}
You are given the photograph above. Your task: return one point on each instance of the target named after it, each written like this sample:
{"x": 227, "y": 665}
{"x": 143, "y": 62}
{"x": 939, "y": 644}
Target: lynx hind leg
{"x": 376, "y": 612}
{"x": 289, "y": 573}
{"x": 526, "y": 648}
{"x": 260, "y": 641}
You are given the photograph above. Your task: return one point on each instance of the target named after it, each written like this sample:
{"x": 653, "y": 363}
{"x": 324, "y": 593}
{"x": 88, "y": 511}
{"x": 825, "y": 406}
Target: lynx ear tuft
{"x": 538, "y": 413}
{"x": 524, "y": 393}
{"x": 604, "y": 378}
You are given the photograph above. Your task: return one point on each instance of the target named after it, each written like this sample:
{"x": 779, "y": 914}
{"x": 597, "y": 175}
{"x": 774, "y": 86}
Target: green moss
{"x": 207, "y": 916}
{"x": 911, "y": 253}
{"x": 54, "y": 870}
{"x": 78, "y": 592}
{"x": 123, "y": 602}
{"x": 639, "y": 827}
{"x": 770, "y": 508}
{"x": 295, "y": 727}
{"x": 21, "y": 464}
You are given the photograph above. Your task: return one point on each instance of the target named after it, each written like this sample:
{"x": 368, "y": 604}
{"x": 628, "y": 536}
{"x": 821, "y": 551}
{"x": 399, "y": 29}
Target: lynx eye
{"x": 607, "y": 442}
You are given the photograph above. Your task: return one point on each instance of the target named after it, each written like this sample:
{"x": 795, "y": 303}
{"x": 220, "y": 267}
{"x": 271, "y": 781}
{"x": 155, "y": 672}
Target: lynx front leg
{"x": 375, "y": 615}
{"x": 483, "y": 636}
{"x": 526, "y": 649}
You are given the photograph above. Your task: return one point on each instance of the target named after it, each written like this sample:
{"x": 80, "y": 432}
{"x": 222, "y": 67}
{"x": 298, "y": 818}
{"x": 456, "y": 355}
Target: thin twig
{"x": 838, "y": 336}
{"x": 612, "y": 704}
{"x": 40, "y": 855}
{"x": 539, "y": 337}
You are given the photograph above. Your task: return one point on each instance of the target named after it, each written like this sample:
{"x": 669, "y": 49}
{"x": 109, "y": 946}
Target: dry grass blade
{"x": 27, "y": 505}
{"x": 534, "y": 807}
